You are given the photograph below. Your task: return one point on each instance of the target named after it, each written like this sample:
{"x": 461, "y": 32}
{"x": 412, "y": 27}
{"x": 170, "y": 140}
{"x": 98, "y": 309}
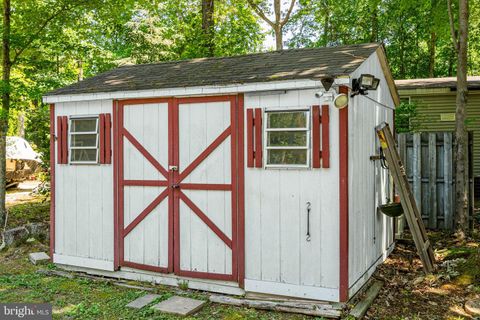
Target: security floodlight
{"x": 364, "y": 83}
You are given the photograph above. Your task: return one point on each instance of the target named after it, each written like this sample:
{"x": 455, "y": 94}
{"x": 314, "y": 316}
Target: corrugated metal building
{"x": 435, "y": 98}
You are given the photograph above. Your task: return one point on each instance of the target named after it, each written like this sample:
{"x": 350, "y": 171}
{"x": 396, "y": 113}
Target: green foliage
{"x": 37, "y": 131}
{"x": 416, "y": 33}
{"x": 404, "y": 113}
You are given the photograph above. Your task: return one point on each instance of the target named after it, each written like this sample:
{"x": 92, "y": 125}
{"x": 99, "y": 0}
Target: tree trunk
{"x": 208, "y": 26}
{"x": 278, "y": 37}
{"x": 431, "y": 52}
{"x": 326, "y": 25}
{"x": 461, "y": 182}
{"x": 374, "y": 34}
{"x": 21, "y": 125}
{"x": 6, "y": 63}
{"x": 80, "y": 69}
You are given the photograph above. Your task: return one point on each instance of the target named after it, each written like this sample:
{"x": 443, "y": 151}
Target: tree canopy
{"x": 57, "y": 42}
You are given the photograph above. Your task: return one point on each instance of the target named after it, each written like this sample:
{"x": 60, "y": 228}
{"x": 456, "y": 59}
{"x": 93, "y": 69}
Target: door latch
{"x": 173, "y": 168}
{"x": 175, "y": 186}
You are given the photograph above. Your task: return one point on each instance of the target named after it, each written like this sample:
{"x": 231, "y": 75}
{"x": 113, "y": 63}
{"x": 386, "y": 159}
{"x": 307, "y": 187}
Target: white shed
{"x": 233, "y": 174}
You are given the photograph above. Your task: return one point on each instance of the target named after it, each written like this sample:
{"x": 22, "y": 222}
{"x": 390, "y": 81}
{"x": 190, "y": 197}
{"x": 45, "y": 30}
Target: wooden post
{"x": 432, "y": 179}
{"x": 448, "y": 181}
{"x": 417, "y": 170}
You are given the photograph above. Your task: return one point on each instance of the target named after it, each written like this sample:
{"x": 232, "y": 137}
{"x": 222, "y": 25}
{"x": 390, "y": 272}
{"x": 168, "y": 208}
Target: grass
{"x": 87, "y": 299}
{"x": 37, "y": 209}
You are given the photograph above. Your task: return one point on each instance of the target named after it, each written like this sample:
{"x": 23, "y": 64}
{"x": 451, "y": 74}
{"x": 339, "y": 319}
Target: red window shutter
{"x": 59, "y": 140}
{"x": 316, "y": 136}
{"x": 101, "y": 124}
{"x": 65, "y": 139}
{"x": 325, "y": 118}
{"x": 250, "y": 135}
{"x": 108, "y": 138}
{"x": 258, "y": 137}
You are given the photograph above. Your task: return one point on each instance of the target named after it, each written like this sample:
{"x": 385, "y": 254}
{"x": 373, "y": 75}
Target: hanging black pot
{"x": 393, "y": 209}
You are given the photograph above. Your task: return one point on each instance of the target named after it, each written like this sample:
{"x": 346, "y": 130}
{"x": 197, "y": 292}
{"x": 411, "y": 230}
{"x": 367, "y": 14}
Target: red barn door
{"x": 178, "y": 186}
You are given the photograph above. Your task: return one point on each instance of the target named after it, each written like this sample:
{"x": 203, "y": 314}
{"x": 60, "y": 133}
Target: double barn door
{"x": 177, "y": 186}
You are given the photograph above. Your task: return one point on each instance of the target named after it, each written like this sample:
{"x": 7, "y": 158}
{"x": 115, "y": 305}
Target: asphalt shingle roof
{"x": 308, "y": 63}
{"x": 448, "y": 82}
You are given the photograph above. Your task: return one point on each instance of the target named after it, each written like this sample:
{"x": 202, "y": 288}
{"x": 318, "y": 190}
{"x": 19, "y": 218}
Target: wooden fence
{"x": 430, "y": 167}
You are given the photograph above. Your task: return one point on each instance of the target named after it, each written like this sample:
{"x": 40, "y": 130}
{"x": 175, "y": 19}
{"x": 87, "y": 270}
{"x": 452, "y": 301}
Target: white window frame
{"x": 70, "y": 134}
{"x": 306, "y": 129}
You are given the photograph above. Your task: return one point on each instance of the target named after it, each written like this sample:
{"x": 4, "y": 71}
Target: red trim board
{"x": 250, "y": 142}
{"x": 65, "y": 139}
{"x": 52, "y": 181}
{"x": 258, "y": 137}
{"x": 241, "y": 193}
{"x": 316, "y": 136}
{"x": 102, "y": 137}
{"x": 108, "y": 138}
{"x": 116, "y": 259}
{"x": 59, "y": 139}
{"x": 343, "y": 195}
{"x": 325, "y": 123}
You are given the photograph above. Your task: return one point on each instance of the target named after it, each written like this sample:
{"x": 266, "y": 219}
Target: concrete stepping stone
{"x": 179, "y": 305}
{"x": 38, "y": 257}
{"x": 142, "y": 301}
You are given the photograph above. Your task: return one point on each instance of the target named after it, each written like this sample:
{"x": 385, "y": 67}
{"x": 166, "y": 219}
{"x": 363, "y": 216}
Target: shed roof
{"x": 448, "y": 82}
{"x": 307, "y": 63}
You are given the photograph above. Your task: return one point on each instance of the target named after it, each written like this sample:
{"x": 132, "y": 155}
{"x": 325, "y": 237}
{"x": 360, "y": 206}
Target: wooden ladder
{"x": 410, "y": 209}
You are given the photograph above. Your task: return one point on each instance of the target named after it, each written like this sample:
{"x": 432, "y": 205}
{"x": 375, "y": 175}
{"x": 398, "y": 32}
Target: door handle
{"x": 173, "y": 168}
{"x": 175, "y": 186}
{"x": 309, "y": 205}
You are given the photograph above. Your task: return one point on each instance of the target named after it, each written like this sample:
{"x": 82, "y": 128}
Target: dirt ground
{"x": 410, "y": 294}
{"x": 407, "y": 292}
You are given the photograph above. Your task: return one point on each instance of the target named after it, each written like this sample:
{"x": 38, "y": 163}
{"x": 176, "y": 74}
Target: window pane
{"x": 85, "y": 155}
{"x": 84, "y": 125}
{"x": 285, "y": 157}
{"x": 287, "y": 138}
{"x": 83, "y": 140}
{"x": 295, "y": 119}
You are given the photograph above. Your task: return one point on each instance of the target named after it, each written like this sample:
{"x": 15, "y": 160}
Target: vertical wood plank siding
{"x": 277, "y": 252}
{"x": 84, "y": 198}
{"x": 428, "y": 161}
{"x": 370, "y": 232}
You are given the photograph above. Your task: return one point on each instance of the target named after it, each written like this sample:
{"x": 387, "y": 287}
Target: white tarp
{"x": 19, "y": 149}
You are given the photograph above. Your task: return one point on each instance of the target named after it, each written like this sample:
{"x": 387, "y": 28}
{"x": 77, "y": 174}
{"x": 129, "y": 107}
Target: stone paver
{"x": 180, "y": 305}
{"x": 38, "y": 257}
{"x": 142, "y": 301}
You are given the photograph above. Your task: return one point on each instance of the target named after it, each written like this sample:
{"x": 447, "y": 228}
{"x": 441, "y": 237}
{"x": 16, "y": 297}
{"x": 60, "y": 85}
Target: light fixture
{"x": 340, "y": 101}
{"x": 327, "y": 82}
{"x": 364, "y": 83}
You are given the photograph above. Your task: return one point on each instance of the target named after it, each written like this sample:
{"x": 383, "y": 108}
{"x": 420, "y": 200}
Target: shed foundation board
{"x": 83, "y": 262}
{"x": 306, "y": 292}
{"x": 217, "y": 286}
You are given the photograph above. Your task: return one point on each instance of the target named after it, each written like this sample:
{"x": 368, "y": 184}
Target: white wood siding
{"x": 370, "y": 232}
{"x": 84, "y": 198}
{"x": 276, "y": 250}
{"x": 147, "y": 243}
{"x": 200, "y": 248}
